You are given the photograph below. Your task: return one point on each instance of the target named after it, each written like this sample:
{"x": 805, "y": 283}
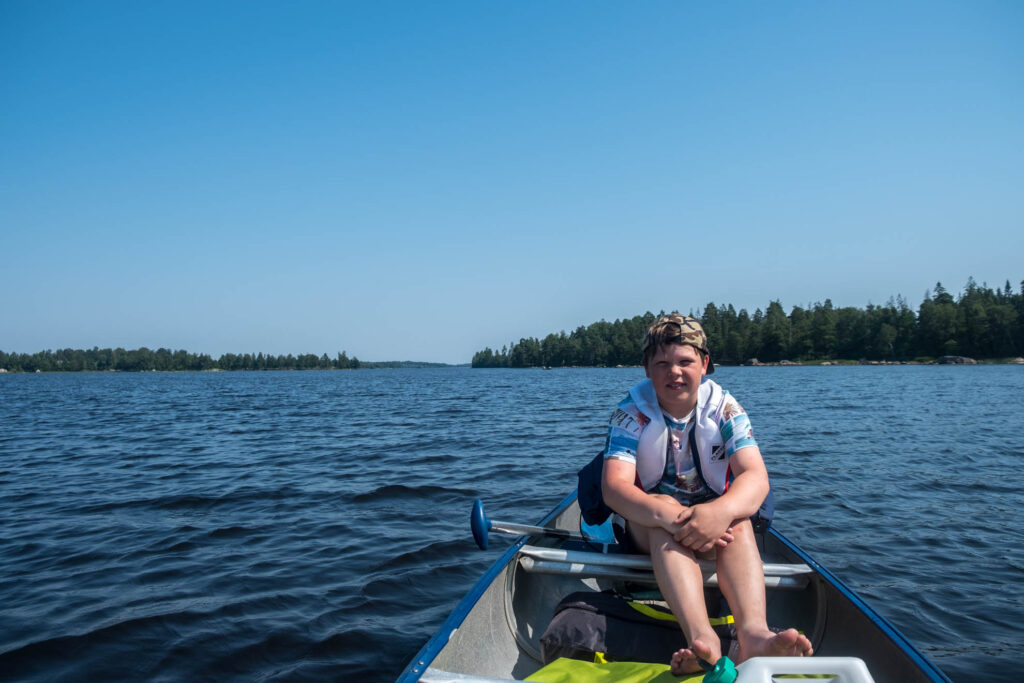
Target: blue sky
{"x": 420, "y": 180}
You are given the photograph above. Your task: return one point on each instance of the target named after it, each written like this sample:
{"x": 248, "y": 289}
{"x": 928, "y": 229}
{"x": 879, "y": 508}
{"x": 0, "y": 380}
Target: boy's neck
{"x": 679, "y": 412}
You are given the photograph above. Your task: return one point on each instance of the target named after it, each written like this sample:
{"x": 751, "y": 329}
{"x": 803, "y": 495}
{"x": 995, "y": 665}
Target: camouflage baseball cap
{"x": 676, "y": 329}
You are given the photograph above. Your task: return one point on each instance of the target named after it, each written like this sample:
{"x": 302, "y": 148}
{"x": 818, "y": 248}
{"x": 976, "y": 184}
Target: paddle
{"x": 480, "y": 525}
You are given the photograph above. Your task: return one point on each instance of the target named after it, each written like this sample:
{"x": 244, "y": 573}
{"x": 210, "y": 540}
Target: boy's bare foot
{"x": 788, "y": 643}
{"x": 685, "y": 661}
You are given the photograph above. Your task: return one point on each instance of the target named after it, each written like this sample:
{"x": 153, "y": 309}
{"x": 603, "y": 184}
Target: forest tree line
{"x": 144, "y": 359}
{"x": 981, "y": 323}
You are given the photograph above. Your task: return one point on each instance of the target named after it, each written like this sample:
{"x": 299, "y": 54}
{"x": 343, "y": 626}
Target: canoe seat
{"x": 637, "y": 568}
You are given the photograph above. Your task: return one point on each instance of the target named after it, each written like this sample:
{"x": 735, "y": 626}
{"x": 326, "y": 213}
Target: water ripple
{"x": 310, "y": 526}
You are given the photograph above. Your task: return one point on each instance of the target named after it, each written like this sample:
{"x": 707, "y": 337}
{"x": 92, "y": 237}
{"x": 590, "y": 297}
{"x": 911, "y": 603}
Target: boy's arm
{"x": 623, "y": 496}
{"x": 703, "y": 524}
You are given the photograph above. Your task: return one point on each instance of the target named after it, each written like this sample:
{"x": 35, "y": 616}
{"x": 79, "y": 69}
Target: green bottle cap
{"x": 724, "y": 671}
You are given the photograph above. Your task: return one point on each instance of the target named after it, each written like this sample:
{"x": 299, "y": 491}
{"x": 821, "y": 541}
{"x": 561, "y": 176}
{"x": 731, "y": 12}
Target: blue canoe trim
{"x": 923, "y": 663}
{"x": 426, "y": 655}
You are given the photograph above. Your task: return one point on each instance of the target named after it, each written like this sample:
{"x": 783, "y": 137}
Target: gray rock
{"x": 956, "y": 360}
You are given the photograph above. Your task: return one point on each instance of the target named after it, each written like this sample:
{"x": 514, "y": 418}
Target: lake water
{"x": 314, "y": 525}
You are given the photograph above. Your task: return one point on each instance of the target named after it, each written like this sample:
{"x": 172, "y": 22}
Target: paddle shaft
{"x": 481, "y": 526}
{"x": 528, "y": 530}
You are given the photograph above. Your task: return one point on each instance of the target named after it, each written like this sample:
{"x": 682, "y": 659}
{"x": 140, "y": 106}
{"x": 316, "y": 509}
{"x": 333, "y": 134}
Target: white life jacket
{"x": 653, "y": 446}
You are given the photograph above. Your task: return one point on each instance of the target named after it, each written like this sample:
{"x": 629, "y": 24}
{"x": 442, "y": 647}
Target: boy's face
{"x": 676, "y": 371}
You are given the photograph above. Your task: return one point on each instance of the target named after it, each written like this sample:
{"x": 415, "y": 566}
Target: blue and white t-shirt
{"x": 680, "y": 479}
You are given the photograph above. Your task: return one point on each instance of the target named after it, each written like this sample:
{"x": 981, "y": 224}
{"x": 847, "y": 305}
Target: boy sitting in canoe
{"x": 680, "y": 508}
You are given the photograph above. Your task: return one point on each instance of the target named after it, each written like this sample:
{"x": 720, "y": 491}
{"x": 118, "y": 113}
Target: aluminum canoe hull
{"x": 494, "y": 631}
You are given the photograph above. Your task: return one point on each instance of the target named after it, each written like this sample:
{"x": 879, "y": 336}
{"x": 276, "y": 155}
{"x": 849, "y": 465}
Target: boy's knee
{"x": 742, "y": 526}
{"x": 661, "y": 540}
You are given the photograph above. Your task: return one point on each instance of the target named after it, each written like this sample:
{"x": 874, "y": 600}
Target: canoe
{"x": 494, "y": 632}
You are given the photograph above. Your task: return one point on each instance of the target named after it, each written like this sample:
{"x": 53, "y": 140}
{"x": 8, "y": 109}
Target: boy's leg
{"x": 741, "y": 578}
{"x": 682, "y": 585}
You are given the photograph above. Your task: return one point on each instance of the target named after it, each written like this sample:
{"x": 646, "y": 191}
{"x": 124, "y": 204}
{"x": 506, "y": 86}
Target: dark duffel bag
{"x": 588, "y": 623}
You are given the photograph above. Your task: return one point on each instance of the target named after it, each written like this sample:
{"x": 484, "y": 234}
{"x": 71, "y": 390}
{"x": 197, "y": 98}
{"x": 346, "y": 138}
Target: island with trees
{"x": 166, "y": 360}
{"x": 981, "y": 323}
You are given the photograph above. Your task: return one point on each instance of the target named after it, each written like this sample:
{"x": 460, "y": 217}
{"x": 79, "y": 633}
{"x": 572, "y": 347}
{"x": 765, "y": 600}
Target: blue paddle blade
{"x": 479, "y": 523}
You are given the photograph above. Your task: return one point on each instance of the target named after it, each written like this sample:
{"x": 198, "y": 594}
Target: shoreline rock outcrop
{"x": 956, "y": 360}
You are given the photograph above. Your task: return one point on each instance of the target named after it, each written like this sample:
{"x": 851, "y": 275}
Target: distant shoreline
{"x": 367, "y": 366}
{"x": 787, "y": 363}
{"x": 144, "y": 359}
{"x": 442, "y": 366}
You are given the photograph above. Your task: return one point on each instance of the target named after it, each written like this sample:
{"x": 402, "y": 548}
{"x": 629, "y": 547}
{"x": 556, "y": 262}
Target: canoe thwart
{"x": 597, "y": 571}
{"x": 642, "y": 562}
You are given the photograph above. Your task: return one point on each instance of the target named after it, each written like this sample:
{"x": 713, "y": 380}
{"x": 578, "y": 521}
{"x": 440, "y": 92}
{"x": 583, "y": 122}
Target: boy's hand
{"x": 702, "y": 527}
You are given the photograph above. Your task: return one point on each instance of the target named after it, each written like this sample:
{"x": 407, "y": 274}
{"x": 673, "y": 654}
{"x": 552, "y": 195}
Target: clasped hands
{"x": 702, "y": 527}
